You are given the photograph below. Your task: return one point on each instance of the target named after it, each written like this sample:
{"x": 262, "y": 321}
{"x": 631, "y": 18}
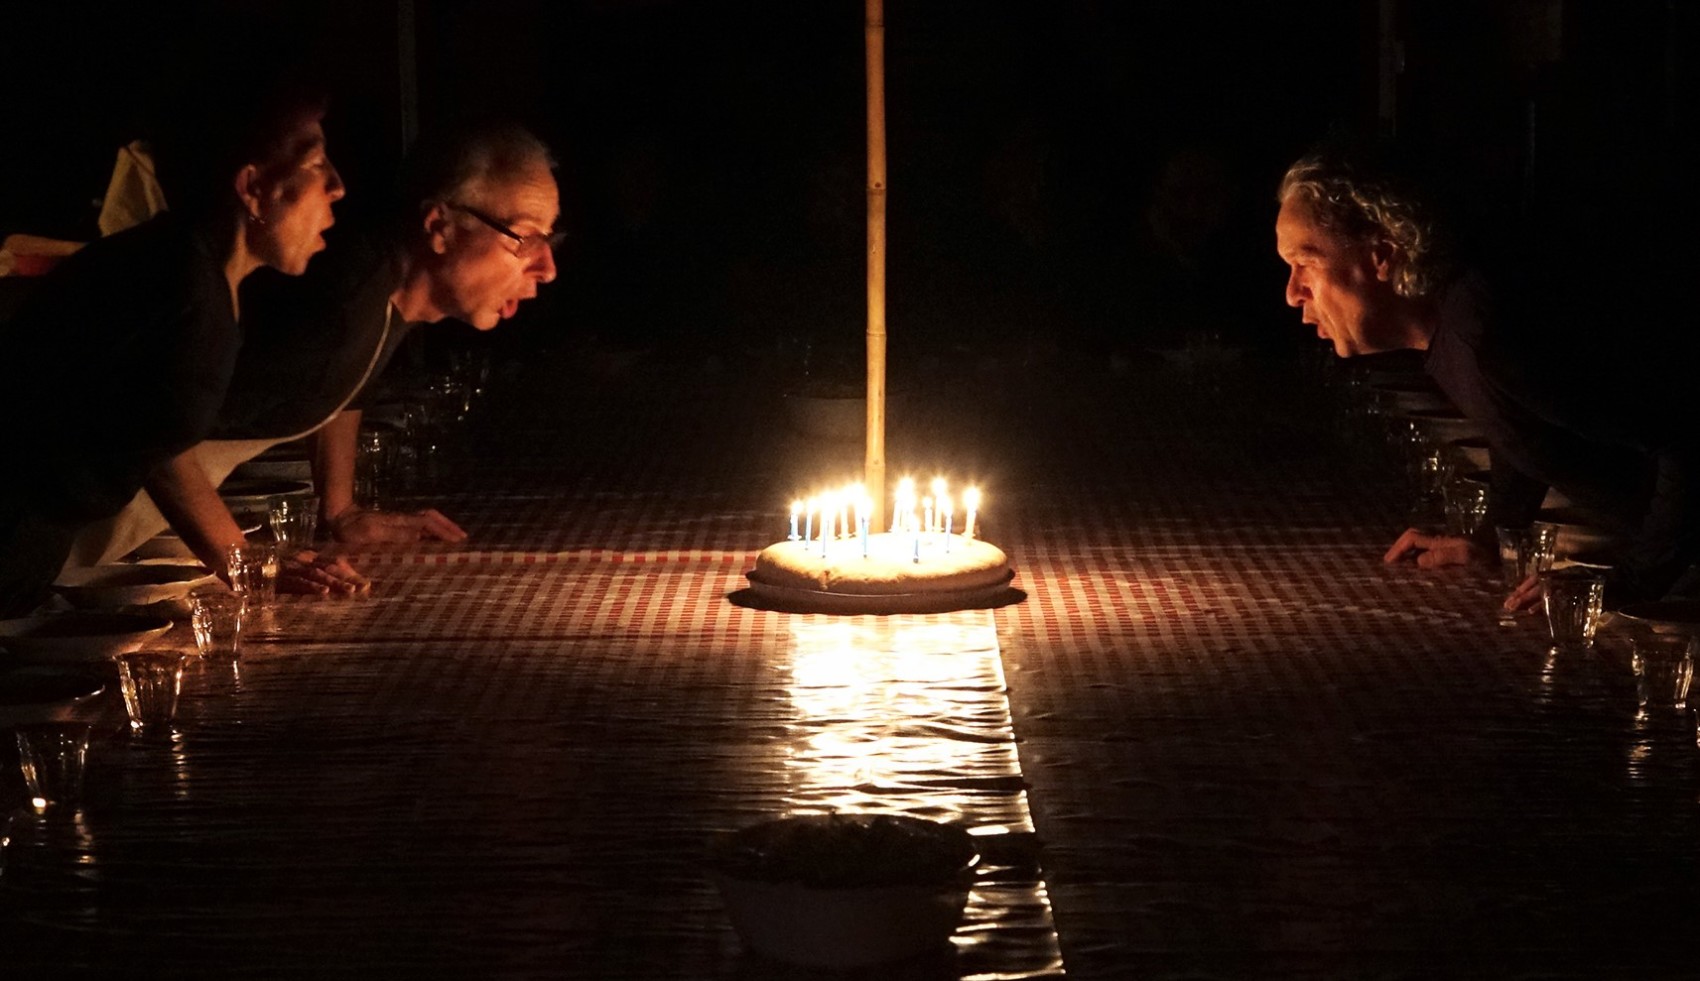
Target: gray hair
{"x": 1363, "y": 204}
{"x": 462, "y": 165}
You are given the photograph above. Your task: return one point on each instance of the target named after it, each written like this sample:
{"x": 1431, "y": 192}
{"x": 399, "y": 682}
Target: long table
{"x": 1216, "y": 738}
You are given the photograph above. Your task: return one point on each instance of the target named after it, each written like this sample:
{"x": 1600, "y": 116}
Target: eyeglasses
{"x": 527, "y": 246}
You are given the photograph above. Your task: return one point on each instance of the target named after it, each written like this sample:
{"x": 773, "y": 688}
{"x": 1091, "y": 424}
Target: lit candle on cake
{"x": 927, "y": 511}
{"x": 864, "y": 507}
{"x": 809, "y": 525}
{"x": 905, "y": 501}
{"x": 796, "y": 509}
{"x": 828, "y": 514}
{"x": 970, "y": 501}
{"x": 946, "y": 511}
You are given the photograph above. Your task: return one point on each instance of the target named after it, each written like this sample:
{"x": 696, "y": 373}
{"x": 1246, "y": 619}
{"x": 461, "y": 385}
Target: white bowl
{"x": 1474, "y": 451}
{"x": 34, "y": 693}
{"x": 69, "y": 637}
{"x": 845, "y": 891}
{"x": 113, "y": 587}
{"x": 252, "y": 499}
{"x": 1410, "y": 395}
{"x": 1444, "y": 425}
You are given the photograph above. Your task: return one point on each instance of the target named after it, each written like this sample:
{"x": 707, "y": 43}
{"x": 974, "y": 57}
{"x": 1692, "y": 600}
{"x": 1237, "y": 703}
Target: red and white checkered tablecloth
{"x": 1218, "y": 737}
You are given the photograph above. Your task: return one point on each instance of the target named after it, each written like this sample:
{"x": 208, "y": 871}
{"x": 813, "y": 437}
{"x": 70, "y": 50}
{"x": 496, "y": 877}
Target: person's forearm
{"x": 332, "y": 449}
{"x": 182, "y": 492}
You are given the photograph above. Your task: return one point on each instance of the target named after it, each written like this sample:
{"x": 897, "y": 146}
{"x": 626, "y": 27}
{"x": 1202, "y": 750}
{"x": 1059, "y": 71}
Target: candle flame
{"x": 971, "y": 498}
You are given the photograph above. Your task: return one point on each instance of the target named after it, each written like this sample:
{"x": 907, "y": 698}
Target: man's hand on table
{"x": 364, "y": 526}
{"x": 1526, "y": 596}
{"x": 1436, "y": 551}
{"x": 306, "y": 573}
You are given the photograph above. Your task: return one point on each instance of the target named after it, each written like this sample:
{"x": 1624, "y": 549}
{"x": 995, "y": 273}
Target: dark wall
{"x": 1099, "y": 172}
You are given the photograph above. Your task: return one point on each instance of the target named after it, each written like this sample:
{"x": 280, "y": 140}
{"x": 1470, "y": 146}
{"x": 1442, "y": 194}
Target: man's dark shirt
{"x": 310, "y": 342}
{"x": 1598, "y": 423}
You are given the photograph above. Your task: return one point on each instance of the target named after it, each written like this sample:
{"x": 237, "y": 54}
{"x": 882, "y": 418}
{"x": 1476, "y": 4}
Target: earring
{"x": 256, "y": 218}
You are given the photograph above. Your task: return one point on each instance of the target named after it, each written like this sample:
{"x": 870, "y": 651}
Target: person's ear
{"x": 434, "y": 219}
{"x": 1383, "y": 256}
{"x": 250, "y": 193}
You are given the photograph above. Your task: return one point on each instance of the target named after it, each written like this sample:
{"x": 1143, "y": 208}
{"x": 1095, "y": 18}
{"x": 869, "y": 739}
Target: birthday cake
{"x": 899, "y": 563}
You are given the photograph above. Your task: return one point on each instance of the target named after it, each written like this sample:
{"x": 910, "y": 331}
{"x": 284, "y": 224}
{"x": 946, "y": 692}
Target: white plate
{"x": 791, "y": 600}
{"x": 108, "y": 587}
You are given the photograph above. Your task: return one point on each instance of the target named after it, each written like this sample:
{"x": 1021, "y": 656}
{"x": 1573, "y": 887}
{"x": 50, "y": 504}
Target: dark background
{"x": 1072, "y": 175}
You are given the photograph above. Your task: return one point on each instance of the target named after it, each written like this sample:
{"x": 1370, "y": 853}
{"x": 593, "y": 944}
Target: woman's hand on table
{"x": 365, "y": 526}
{"x": 306, "y": 573}
{"x": 1436, "y": 551}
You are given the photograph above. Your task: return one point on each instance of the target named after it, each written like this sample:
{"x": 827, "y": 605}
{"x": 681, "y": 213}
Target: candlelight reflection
{"x": 910, "y": 715}
{"x": 901, "y": 714}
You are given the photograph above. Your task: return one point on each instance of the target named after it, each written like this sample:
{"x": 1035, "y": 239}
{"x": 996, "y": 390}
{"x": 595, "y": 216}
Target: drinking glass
{"x": 216, "y": 617}
{"x": 1572, "y": 598}
{"x": 151, "y": 681}
{"x": 1523, "y": 552}
{"x": 1466, "y": 507}
{"x": 294, "y": 520}
{"x": 1664, "y": 667}
{"x": 253, "y": 573}
{"x": 374, "y": 465}
{"x": 52, "y": 756}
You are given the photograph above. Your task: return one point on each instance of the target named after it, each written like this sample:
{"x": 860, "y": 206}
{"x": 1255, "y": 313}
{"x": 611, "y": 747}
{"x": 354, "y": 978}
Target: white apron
{"x": 107, "y": 541}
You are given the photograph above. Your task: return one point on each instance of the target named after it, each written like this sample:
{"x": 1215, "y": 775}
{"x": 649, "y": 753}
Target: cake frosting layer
{"x": 890, "y": 566}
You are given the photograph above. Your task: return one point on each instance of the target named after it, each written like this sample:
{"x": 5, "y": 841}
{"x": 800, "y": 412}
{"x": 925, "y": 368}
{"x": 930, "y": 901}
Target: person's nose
{"x": 333, "y": 181}
{"x": 1296, "y": 292}
{"x": 543, "y": 266}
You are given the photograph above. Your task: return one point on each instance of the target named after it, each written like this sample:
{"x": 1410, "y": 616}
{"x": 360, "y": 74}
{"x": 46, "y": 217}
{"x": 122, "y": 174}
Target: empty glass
{"x": 374, "y": 465}
{"x": 151, "y": 681}
{"x": 1466, "y": 507}
{"x": 52, "y": 756}
{"x": 1572, "y": 598}
{"x": 253, "y": 573}
{"x": 295, "y": 521}
{"x": 1523, "y": 552}
{"x": 216, "y": 617}
{"x": 1664, "y": 668}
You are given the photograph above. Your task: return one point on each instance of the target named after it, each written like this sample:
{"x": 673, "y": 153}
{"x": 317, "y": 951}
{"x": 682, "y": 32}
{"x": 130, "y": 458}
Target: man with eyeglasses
{"x": 475, "y": 239}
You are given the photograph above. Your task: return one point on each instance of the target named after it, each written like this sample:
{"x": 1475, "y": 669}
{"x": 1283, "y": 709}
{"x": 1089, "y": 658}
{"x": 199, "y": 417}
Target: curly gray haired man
{"x": 1364, "y": 254}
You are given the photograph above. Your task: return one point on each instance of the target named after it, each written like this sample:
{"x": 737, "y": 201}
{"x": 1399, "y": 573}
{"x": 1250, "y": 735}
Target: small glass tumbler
{"x": 1466, "y": 507}
{"x": 253, "y": 573}
{"x": 151, "y": 681}
{"x": 52, "y": 756}
{"x": 1664, "y": 668}
{"x": 295, "y": 521}
{"x": 1573, "y": 599}
{"x": 374, "y": 465}
{"x": 1523, "y": 552}
{"x": 216, "y": 617}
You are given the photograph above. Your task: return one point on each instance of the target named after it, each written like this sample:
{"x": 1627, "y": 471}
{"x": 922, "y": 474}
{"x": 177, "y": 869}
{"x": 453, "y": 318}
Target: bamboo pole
{"x": 873, "y": 469}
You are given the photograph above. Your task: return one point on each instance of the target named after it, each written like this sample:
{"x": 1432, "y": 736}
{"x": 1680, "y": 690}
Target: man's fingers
{"x": 1410, "y": 541}
{"x": 1525, "y": 596}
